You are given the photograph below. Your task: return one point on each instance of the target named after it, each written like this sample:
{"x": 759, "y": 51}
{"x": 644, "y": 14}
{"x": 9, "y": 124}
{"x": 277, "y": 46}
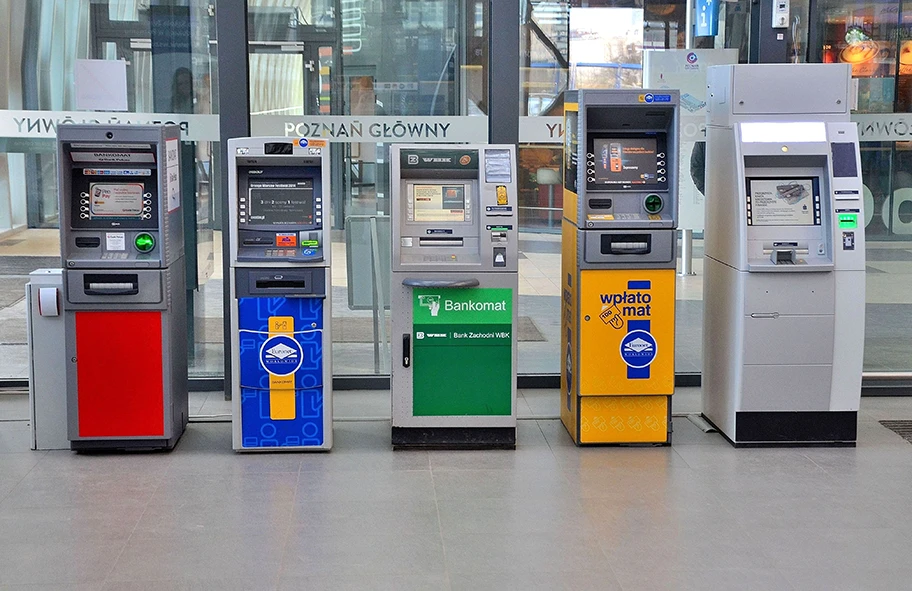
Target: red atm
{"x": 122, "y": 246}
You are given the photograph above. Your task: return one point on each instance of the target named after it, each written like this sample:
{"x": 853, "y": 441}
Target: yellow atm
{"x": 618, "y": 265}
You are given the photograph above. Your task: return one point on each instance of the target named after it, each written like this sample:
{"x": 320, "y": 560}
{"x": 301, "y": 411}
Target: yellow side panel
{"x": 569, "y": 324}
{"x": 281, "y": 388}
{"x": 624, "y": 419}
{"x": 627, "y": 329}
{"x": 571, "y": 199}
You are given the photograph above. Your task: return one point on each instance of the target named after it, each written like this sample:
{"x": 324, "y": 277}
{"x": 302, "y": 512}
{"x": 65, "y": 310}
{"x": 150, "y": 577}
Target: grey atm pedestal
{"x": 454, "y": 296}
{"x": 784, "y": 271}
{"x": 47, "y": 359}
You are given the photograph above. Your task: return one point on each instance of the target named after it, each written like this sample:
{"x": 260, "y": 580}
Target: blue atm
{"x": 280, "y": 294}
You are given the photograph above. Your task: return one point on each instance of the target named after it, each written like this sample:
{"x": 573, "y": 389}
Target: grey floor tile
{"x": 52, "y": 587}
{"x": 655, "y": 459}
{"x": 542, "y": 402}
{"x": 553, "y": 552}
{"x": 516, "y": 516}
{"x": 56, "y": 563}
{"x": 94, "y": 491}
{"x": 360, "y": 582}
{"x": 499, "y": 484}
{"x": 659, "y": 579}
{"x": 214, "y": 584}
{"x": 400, "y": 485}
{"x": 856, "y": 548}
{"x": 75, "y": 525}
{"x": 835, "y": 577}
{"x": 216, "y": 516}
{"x": 522, "y": 458}
{"x": 319, "y": 517}
{"x": 594, "y": 578}
{"x": 386, "y": 554}
{"x": 264, "y": 488}
{"x": 361, "y": 403}
{"x": 199, "y": 556}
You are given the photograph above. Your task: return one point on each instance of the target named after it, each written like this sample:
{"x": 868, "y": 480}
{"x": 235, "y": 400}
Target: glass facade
{"x": 368, "y": 73}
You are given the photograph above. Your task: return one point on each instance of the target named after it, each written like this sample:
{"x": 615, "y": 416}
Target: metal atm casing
{"x": 618, "y": 265}
{"x": 784, "y": 290}
{"x": 281, "y": 303}
{"x": 454, "y": 369}
{"x": 125, "y": 307}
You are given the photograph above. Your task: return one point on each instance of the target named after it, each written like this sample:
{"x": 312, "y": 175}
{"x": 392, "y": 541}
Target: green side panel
{"x": 462, "y": 352}
{"x": 462, "y": 370}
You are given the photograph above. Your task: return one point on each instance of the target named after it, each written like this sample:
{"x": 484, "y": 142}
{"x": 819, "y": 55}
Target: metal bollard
{"x": 687, "y": 250}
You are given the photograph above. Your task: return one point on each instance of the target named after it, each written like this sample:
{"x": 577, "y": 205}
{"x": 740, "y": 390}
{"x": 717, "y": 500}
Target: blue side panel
{"x": 257, "y": 428}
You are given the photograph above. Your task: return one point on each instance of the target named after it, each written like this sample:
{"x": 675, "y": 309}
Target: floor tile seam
{"x": 123, "y": 546}
{"x": 443, "y": 550}
{"x": 289, "y": 527}
{"x": 18, "y": 482}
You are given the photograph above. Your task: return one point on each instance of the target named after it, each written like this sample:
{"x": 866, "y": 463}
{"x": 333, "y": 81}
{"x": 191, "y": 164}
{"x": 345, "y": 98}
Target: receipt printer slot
{"x": 626, "y": 243}
{"x": 440, "y": 242}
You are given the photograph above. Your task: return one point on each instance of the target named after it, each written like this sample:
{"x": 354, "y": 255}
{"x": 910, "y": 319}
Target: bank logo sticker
{"x": 638, "y": 349}
{"x": 431, "y": 302}
{"x": 413, "y": 158}
{"x": 465, "y": 160}
{"x": 419, "y": 335}
{"x": 303, "y": 142}
{"x": 691, "y": 58}
{"x": 281, "y": 355}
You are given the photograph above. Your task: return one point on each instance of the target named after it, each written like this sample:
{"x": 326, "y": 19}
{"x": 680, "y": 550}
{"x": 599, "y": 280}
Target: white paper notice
{"x": 172, "y": 186}
{"x": 101, "y": 85}
{"x": 115, "y": 241}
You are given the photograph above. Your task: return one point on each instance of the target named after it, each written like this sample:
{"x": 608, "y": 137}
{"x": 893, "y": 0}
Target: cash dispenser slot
{"x": 120, "y": 284}
{"x": 600, "y": 203}
{"x": 626, "y": 243}
{"x": 440, "y": 241}
{"x": 280, "y": 282}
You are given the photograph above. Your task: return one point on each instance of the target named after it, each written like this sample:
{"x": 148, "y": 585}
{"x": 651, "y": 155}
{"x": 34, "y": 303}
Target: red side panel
{"x": 119, "y": 374}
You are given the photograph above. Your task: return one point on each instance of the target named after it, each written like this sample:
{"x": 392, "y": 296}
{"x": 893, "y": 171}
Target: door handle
{"x": 406, "y": 350}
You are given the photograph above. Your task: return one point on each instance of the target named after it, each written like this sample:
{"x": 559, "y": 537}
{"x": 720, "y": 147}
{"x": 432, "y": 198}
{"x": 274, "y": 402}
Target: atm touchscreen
{"x": 439, "y": 202}
{"x": 783, "y": 201}
{"x": 280, "y": 202}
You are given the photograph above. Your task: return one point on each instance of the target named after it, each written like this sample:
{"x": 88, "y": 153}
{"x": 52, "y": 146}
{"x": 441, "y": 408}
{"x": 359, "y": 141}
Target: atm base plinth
{"x": 454, "y": 438}
{"x": 109, "y": 445}
{"x": 619, "y": 420}
{"x": 793, "y": 429}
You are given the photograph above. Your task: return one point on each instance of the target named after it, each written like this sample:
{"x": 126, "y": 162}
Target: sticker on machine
{"x": 281, "y": 355}
{"x": 638, "y": 348}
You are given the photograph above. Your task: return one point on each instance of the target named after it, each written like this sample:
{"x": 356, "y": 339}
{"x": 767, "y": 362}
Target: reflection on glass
{"x": 606, "y": 47}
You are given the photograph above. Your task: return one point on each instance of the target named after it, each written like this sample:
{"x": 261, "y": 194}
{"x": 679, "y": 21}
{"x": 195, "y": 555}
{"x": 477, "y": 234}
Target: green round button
{"x": 653, "y": 203}
{"x": 144, "y": 242}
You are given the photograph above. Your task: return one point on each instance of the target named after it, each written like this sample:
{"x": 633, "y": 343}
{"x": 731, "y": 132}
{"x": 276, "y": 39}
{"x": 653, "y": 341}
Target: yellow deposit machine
{"x": 618, "y": 265}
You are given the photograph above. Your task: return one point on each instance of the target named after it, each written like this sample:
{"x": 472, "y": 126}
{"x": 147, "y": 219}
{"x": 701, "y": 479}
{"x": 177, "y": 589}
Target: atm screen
{"x": 783, "y": 202}
{"x": 116, "y": 200}
{"x": 438, "y": 203}
{"x": 279, "y": 203}
{"x": 625, "y": 161}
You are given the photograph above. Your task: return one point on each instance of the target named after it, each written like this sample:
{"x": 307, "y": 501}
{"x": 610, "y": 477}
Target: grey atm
{"x": 784, "y": 284}
{"x": 281, "y": 348}
{"x": 454, "y": 296}
{"x": 122, "y": 245}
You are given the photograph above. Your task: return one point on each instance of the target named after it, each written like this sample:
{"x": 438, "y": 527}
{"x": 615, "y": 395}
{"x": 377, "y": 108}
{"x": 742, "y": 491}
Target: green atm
{"x": 454, "y": 296}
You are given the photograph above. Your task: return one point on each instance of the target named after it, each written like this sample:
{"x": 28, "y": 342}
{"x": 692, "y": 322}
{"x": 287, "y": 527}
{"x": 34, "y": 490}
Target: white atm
{"x": 784, "y": 283}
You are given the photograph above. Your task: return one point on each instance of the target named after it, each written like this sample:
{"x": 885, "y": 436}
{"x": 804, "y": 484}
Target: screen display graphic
{"x": 116, "y": 200}
{"x": 783, "y": 202}
{"x": 439, "y": 203}
{"x": 625, "y": 161}
{"x": 281, "y": 203}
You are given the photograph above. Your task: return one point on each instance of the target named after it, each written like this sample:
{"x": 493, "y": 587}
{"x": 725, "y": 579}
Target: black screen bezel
{"x": 284, "y": 174}
{"x": 661, "y": 147}
{"x": 81, "y": 182}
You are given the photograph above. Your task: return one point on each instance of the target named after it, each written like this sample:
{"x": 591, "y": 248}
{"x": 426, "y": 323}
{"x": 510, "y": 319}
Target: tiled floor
{"x": 697, "y": 515}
